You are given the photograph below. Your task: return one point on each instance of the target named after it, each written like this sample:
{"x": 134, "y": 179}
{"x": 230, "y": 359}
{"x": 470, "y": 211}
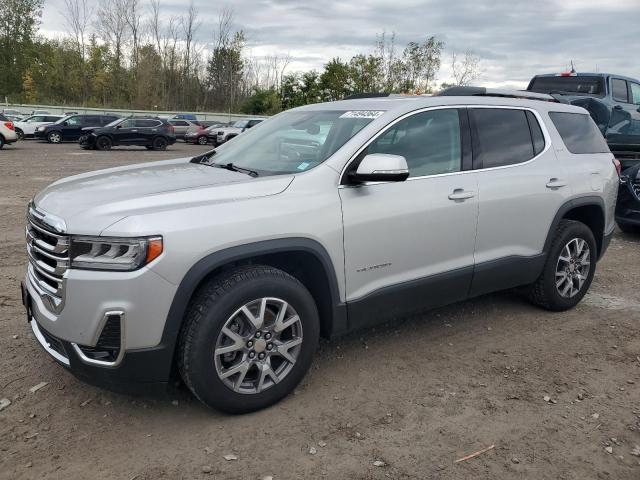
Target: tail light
{"x": 9, "y": 125}
{"x": 618, "y": 166}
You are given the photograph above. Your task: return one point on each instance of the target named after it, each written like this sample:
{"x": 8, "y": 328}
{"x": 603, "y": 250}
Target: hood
{"x": 90, "y": 202}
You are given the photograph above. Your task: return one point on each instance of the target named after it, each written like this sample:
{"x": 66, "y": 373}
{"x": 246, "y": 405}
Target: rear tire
{"x": 216, "y": 320}
{"x": 2, "y": 142}
{"x": 20, "y": 134}
{"x": 103, "y": 143}
{"x": 160, "y": 143}
{"x": 568, "y": 270}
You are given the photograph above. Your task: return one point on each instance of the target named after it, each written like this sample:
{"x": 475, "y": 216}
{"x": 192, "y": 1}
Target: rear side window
{"x": 578, "y": 85}
{"x": 635, "y": 93}
{"x": 500, "y": 137}
{"x": 579, "y": 133}
{"x": 619, "y": 90}
{"x": 537, "y": 136}
{"x": 147, "y": 123}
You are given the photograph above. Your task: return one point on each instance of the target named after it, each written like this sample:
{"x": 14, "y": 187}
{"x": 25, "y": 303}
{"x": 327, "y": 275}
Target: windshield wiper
{"x": 235, "y": 168}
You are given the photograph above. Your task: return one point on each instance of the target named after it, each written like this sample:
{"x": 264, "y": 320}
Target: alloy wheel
{"x": 202, "y": 140}
{"x": 258, "y": 345}
{"x": 55, "y": 137}
{"x": 572, "y": 268}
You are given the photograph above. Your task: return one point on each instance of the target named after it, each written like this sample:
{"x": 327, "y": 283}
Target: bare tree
{"x": 77, "y": 18}
{"x": 133, "y": 22}
{"x": 466, "y": 69}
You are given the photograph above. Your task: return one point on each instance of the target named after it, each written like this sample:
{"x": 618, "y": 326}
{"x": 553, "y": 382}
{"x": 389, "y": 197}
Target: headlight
{"x": 114, "y": 253}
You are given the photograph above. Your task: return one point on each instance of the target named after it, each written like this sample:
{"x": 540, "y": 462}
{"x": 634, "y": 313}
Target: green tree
{"x": 336, "y": 81}
{"x": 262, "y": 102}
{"x": 19, "y": 20}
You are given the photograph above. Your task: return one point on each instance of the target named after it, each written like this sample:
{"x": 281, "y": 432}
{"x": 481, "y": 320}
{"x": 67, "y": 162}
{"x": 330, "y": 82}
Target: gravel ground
{"x": 556, "y": 395}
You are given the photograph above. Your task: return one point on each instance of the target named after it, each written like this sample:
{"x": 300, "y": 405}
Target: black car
{"x": 151, "y": 132}
{"x": 70, "y": 128}
{"x": 628, "y": 206}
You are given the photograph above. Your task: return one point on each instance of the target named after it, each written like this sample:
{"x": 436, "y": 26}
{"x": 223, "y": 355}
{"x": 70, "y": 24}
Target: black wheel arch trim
{"x": 205, "y": 266}
{"x": 590, "y": 200}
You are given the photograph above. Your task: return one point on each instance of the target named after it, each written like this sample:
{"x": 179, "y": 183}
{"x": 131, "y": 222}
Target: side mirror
{"x": 381, "y": 167}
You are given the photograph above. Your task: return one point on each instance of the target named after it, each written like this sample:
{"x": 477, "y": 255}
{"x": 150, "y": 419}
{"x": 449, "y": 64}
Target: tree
{"x": 336, "y": 81}
{"x": 262, "y": 102}
{"x": 467, "y": 69}
{"x": 19, "y": 21}
{"x": 366, "y": 73}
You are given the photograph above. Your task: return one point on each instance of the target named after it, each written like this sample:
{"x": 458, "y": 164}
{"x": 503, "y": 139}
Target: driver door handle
{"x": 556, "y": 183}
{"x": 461, "y": 194}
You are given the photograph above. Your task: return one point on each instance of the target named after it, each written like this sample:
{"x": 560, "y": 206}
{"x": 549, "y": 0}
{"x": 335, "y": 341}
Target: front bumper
{"x": 143, "y": 370}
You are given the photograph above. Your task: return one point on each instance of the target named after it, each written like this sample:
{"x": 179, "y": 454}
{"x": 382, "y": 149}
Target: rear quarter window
{"x": 579, "y": 133}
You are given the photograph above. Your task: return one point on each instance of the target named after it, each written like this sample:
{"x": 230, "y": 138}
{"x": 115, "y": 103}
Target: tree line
{"x": 128, "y": 54}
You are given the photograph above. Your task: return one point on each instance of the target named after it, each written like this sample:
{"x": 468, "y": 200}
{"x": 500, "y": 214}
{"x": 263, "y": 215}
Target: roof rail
{"x": 357, "y": 96}
{"x": 500, "y": 92}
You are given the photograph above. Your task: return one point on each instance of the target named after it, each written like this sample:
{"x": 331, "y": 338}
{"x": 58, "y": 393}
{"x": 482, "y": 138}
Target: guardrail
{"x": 57, "y": 109}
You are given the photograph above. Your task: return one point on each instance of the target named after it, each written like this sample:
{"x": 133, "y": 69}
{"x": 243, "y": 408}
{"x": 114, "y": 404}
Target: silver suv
{"x": 227, "y": 267}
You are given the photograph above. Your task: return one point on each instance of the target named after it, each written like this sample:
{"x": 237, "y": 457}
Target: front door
{"x": 410, "y": 244}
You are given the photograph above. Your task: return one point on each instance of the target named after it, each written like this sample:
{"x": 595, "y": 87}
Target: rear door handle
{"x": 461, "y": 194}
{"x": 556, "y": 183}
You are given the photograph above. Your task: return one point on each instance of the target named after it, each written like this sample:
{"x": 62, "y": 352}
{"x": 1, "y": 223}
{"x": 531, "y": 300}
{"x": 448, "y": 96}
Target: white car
{"x": 7, "y": 132}
{"x": 27, "y": 127}
{"x": 227, "y": 133}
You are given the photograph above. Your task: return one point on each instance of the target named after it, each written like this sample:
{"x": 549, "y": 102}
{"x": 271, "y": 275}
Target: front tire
{"x": 568, "y": 270}
{"x": 2, "y": 142}
{"x": 202, "y": 140}
{"x": 103, "y": 143}
{"x": 54, "y": 137}
{"x": 248, "y": 339}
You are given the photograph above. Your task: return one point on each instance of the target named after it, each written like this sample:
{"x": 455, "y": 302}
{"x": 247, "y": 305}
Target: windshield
{"x": 63, "y": 119}
{"x": 293, "y": 142}
{"x": 578, "y": 85}
{"x": 115, "y": 122}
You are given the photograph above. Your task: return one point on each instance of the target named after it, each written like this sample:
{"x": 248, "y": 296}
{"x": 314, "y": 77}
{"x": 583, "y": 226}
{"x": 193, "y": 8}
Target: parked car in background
{"x": 39, "y": 112}
{"x": 11, "y": 111}
{"x": 151, "y": 132}
{"x": 612, "y": 100}
{"x": 14, "y": 118}
{"x": 7, "y": 131}
{"x": 182, "y": 127}
{"x": 70, "y": 128}
{"x": 227, "y": 133}
{"x": 628, "y": 206}
{"x": 71, "y": 113}
{"x": 202, "y": 136}
{"x": 184, "y": 116}
{"x": 27, "y": 128}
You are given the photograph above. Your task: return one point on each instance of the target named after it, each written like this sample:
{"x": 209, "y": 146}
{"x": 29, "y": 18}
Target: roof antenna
{"x": 573, "y": 70}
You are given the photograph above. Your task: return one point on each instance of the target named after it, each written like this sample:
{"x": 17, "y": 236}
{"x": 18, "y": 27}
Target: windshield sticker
{"x": 303, "y": 166}
{"x": 362, "y": 114}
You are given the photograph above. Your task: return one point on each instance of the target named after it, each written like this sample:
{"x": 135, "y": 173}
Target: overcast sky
{"x": 515, "y": 38}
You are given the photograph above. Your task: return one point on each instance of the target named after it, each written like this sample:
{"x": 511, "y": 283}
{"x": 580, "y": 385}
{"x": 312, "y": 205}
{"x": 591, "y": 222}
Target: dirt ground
{"x": 416, "y": 395}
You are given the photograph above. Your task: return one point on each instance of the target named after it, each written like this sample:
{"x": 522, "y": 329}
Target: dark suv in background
{"x": 612, "y": 100}
{"x": 70, "y": 128}
{"x": 151, "y": 132}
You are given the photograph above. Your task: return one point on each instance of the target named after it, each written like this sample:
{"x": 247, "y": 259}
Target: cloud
{"x": 515, "y": 38}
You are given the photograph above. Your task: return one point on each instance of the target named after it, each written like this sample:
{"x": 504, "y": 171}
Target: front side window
{"x": 635, "y": 93}
{"x": 429, "y": 141}
{"x": 619, "y": 90}
{"x": 293, "y": 142}
{"x": 579, "y": 132}
{"x": 128, "y": 123}
{"x": 74, "y": 121}
{"x": 500, "y": 137}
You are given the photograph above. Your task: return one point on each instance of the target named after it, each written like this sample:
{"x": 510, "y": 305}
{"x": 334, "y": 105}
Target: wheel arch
{"x": 303, "y": 258}
{"x": 589, "y": 210}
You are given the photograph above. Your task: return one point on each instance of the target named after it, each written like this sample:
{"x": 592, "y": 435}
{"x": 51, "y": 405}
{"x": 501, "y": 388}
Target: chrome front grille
{"x": 48, "y": 253}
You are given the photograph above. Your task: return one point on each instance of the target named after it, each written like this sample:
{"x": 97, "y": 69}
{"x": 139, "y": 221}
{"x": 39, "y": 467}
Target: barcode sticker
{"x": 362, "y": 114}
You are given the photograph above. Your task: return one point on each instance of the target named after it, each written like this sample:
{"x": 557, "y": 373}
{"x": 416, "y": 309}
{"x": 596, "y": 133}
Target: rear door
{"x": 624, "y": 126}
{"x": 522, "y": 185}
{"x": 146, "y": 129}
